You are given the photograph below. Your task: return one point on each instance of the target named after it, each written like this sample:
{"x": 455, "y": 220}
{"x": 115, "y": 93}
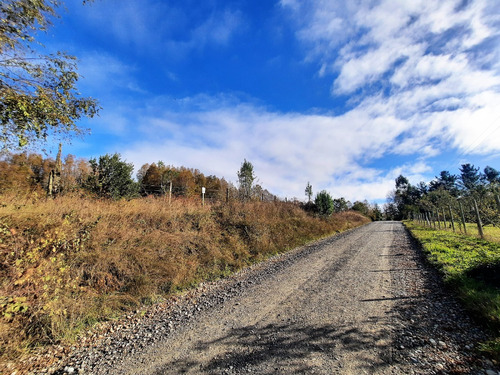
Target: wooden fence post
{"x": 444, "y": 219}
{"x": 463, "y": 216}
{"x": 439, "y": 221}
{"x": 451, "y": 218}
{"x": 478, "y": 218}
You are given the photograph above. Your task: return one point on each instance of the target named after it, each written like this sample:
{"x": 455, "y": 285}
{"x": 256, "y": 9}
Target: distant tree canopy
{"x": 443, "y": 192}
{"x": 26, "y": 172}
{"x": 38, "y": 93}
{"x": 155, "y": 179}
{"x": 341, "y": 205}
{"x": 362, "y": 207}
{"x": 110, "y": 176}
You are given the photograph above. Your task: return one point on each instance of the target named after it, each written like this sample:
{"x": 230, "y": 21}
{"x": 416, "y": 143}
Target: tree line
{"x": 109, "y": 176}
{"x": 456, "y": 193}
{"x": 324, "y": 205}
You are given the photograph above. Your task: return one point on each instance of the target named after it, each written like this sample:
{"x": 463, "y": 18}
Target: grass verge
{"x": 471, "y": 266}
{"x": 68, "y": 263}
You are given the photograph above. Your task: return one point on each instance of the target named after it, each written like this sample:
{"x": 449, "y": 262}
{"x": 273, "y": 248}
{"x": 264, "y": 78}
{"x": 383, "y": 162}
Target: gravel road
{"x": 362, "y": 302}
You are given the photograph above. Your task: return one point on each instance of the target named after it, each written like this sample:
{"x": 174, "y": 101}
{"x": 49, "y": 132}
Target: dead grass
{"x": 68, "y": 263}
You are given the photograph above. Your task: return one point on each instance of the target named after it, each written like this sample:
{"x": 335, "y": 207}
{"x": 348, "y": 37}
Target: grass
{"x": 471, "y": 266}
{"x": 68, "y": 263}
{"x": 491, "y": 233}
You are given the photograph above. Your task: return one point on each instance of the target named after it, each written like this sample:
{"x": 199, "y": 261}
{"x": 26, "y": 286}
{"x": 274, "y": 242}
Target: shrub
{"x": 324, "y": 203}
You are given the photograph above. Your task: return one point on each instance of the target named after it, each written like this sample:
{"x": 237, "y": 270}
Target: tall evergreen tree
{"x": 470, "y": 177}
{"x": 246, "y": 178}
{"x": 324, "y": 203}
{"x": 492, "y": 175}
{"x": 309, "y": 192}
{"x": 445, "y": 181}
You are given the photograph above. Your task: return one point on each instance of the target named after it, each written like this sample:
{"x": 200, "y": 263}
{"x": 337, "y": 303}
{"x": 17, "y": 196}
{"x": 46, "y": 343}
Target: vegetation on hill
{"x": 68, "y": 262}
{"x": 83, "y": 241}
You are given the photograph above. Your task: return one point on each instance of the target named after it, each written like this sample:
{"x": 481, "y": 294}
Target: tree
{"x": 377, "y": 213}
{"x": 246, "y": 178}
{"x": 38, "y": 93}
{"x": 491, "y": 175}
{"x": 324, "y": 203}
{"x": 390, "y": 211}
{"x": 469, "y": 177}
{"x": 405, "y": 198}
{"x": 151, "y": 181}
{"x": 340, "y": 205}
{"x": 142, "y": 172}
{"x": 111, "y": 177}
{"x": 309, "y": 192}
{"x": 445, "y": 181}
{"x": 402, "y": 182}
{"x": 362, "y": 207}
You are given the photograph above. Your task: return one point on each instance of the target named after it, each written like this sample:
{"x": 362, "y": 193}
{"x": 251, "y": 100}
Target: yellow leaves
{"x": 11, "y": 306}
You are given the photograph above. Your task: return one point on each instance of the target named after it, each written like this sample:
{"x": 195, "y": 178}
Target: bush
{"x": 111, "y": 178}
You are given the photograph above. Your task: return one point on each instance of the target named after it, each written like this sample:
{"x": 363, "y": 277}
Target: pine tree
{"x": 246, "y": 178}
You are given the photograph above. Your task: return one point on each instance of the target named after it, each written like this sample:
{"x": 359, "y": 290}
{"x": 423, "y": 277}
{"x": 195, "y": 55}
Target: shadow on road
{"x": 284, "y": 348}
{"x": 426, "y": 309}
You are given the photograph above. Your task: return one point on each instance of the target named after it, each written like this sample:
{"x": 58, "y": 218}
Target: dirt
{"x": 363, "y": 302}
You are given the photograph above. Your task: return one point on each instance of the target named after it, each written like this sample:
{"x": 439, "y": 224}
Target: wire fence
{"x": 455, "y": 214}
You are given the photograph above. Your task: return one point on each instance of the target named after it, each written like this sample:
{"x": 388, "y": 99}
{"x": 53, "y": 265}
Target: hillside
{"x": 69, "y": 262}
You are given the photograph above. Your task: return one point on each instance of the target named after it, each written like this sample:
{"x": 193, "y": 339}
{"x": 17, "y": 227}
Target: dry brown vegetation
{"x": 70, "y": 262}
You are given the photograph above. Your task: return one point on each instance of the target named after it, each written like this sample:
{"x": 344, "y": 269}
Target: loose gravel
{"x": 364, "y": 301}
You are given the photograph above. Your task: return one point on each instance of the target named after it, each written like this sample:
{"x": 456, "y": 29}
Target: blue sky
{"x": 344, "y": 94}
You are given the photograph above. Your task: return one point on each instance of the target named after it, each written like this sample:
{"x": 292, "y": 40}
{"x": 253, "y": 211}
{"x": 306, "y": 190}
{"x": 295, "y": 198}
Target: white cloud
{"x": 431, "y": 65}
{"x": 423, "y": 76}
{"x": 104, "y": 73}
{"x": 287, "y": 150}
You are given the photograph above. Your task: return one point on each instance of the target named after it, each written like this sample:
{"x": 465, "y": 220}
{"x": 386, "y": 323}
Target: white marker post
{"x": 203, "y": 195}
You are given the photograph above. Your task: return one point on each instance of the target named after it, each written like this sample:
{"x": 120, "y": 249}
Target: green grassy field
{"x": 491, "y": 233}
{"x": 472, "y": 267}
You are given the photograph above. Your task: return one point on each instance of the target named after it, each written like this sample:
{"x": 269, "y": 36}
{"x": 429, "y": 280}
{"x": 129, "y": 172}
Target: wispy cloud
{"x": 161, "y": 27}
{"x": 433, "y": 65}
{"x": 105, "y": 74}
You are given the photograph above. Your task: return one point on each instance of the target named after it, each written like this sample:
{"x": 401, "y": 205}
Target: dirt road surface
{"x": 358, "y": 303}
{"x": 361, "y": 302}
